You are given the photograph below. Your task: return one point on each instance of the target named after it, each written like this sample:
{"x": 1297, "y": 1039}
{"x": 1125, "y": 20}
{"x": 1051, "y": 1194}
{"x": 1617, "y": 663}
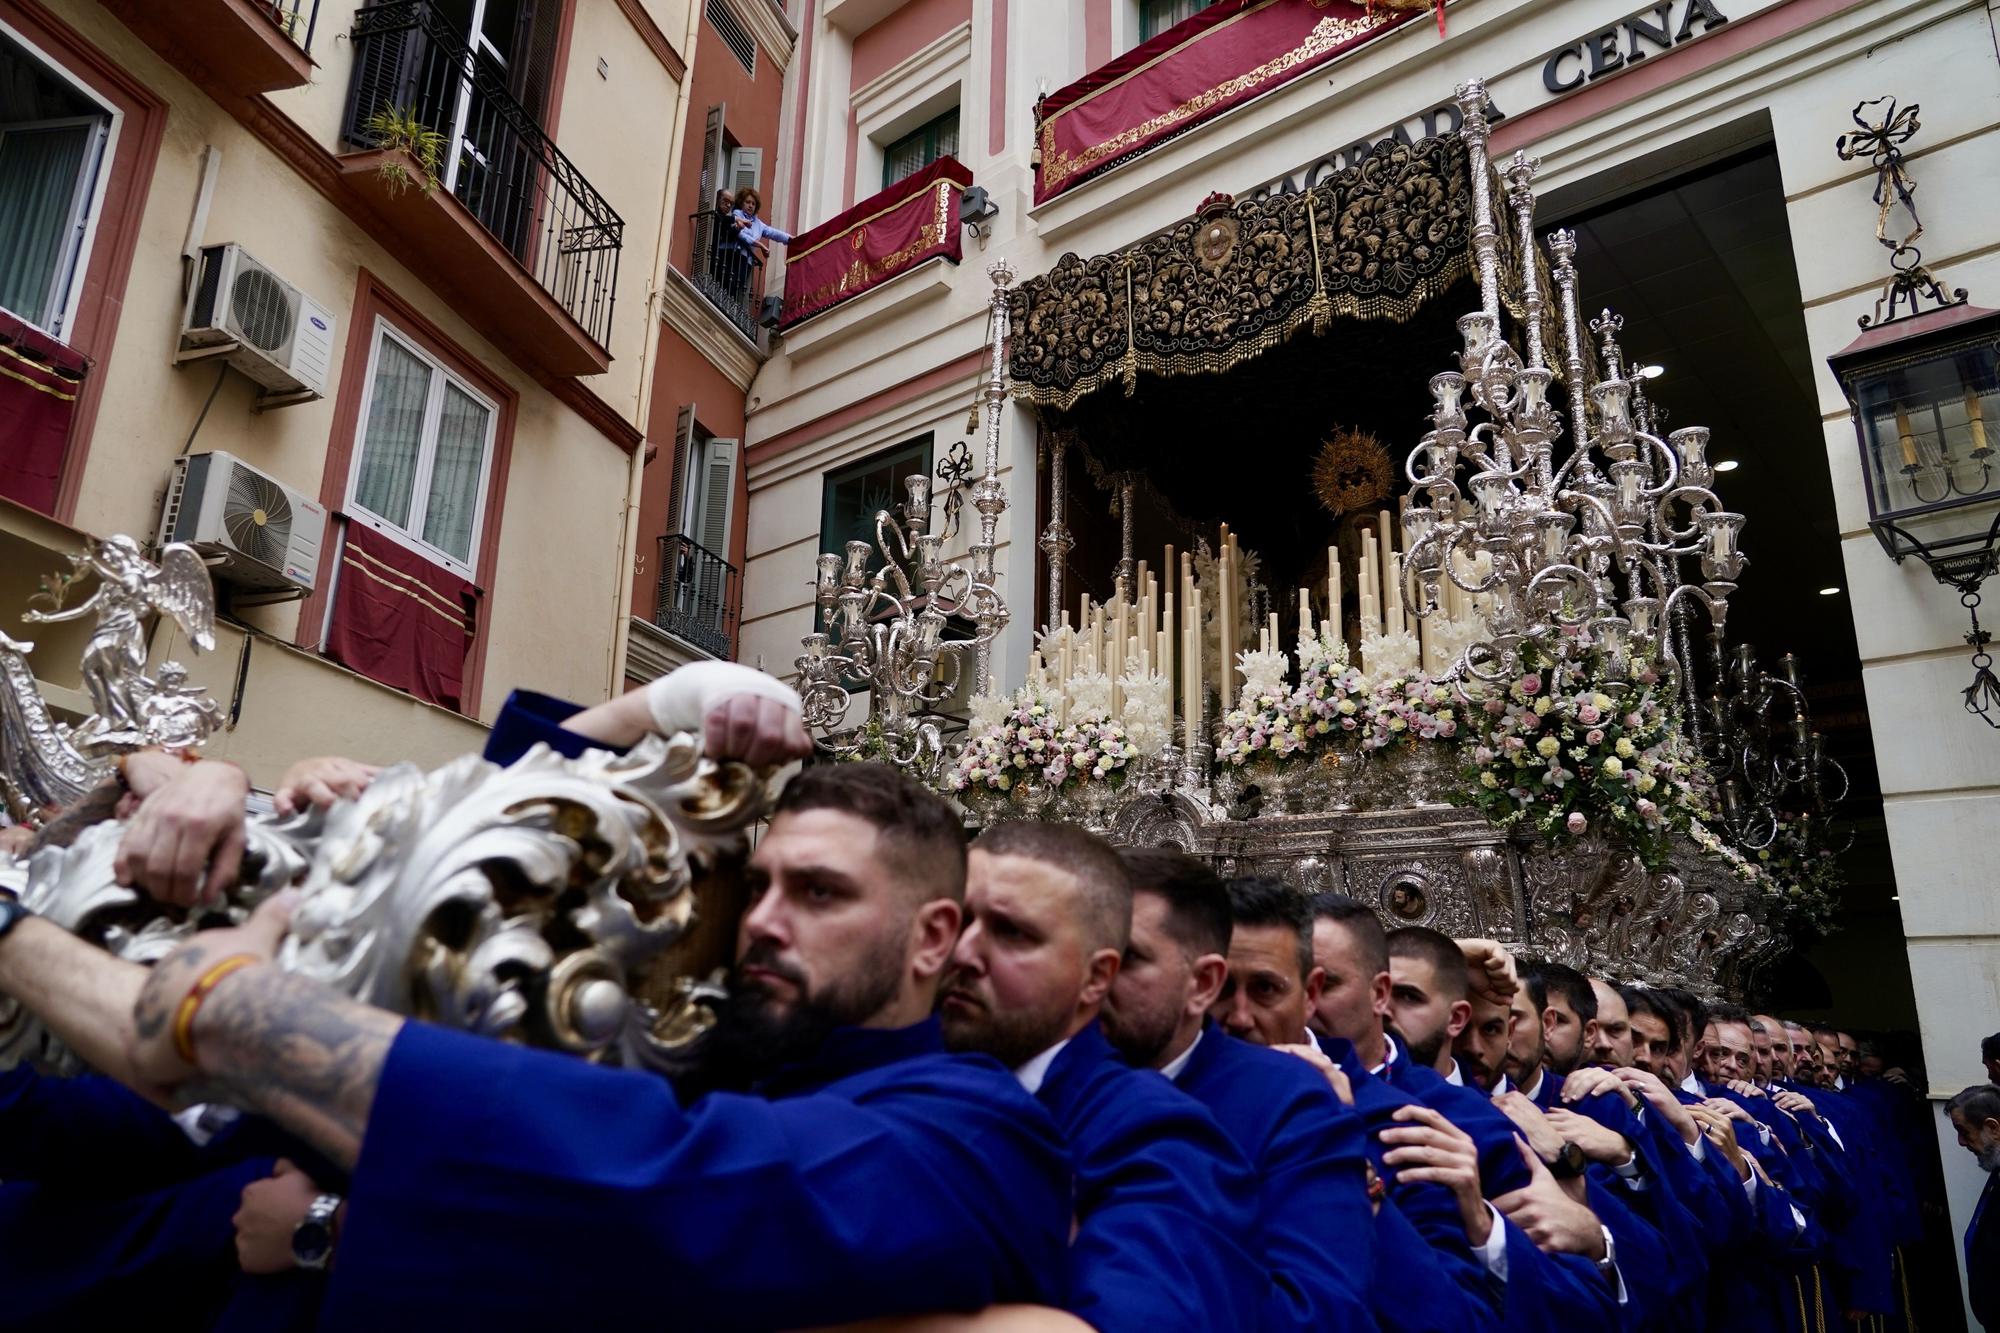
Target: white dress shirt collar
{"x": 1457, "y": 1076}
{"x": 1032, "y": 1073}
{"x": 1174, "y": 1067}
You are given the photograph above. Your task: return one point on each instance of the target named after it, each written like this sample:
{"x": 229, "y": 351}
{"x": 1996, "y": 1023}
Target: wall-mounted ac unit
{"x": 256, "y": 532}
{"x": 263, "y": 326}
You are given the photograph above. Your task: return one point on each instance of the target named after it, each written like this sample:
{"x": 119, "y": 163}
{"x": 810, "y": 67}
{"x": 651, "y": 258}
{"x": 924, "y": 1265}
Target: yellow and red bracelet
{"x": 191, "y": 1003}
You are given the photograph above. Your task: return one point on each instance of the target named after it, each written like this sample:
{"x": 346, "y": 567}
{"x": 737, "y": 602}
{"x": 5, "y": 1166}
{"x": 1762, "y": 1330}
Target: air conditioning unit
{"x": 255, "y": 531}
{"x": 261, "y": 324}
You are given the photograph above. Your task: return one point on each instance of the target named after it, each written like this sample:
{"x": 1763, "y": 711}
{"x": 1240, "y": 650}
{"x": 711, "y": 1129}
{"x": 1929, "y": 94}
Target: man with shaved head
{"x": 1165, "y": 1203}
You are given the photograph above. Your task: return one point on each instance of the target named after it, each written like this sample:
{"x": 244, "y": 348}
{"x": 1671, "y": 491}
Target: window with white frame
{"x": 1156, "y": 16}
{"x": 53, "y": 142}
{"x": 426, "y": 444}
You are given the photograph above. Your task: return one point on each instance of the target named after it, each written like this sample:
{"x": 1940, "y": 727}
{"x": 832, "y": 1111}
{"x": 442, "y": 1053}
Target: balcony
{"x": 478, "y": 197}
{"x": 728, "y": 275}
{"x": 697, "y": 596}
{"x": 882, "y": 237}
{"x": 231, "y": 46}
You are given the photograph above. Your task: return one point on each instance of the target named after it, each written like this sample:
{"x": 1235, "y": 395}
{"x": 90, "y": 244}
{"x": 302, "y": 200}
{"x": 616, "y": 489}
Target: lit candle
{"x": 1275, "y": 640}
{"x": 1333, "y": 584}
{"x": 1305, "y": 614}
{"x": 1975, "y": 415}
{"x": 1907, "y": 438}
{"x": 1196, "y": 678}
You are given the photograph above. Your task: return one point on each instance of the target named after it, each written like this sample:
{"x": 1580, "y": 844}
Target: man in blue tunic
{"x": 1544, "y": 1253}
{"x": 1314, "y": 1225}
{"x": 1166, "y": 1208}
{"x": 870, "y": 1174}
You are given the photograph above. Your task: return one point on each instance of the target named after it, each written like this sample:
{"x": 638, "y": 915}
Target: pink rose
{"x": 1594, "y": 736}
{"x": 1576, "y": 823}
{"x": 1531, "y": 685}
{"x": 1647, "y": 810}
{"x": 1588, "y": 715}
{"x": 1631, "y": 719}
{"x": 1494, "y": 707}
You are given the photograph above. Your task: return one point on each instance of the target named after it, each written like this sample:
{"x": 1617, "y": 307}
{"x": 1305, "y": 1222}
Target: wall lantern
{"x": 1923, "y": 384}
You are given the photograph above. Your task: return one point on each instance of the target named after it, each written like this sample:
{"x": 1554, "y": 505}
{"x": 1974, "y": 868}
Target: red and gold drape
{"x": 40, "y": 379}
{"x": 883, "y": 235}
{"x": 401, "y": 619}
{"x": 1221, "y": 57}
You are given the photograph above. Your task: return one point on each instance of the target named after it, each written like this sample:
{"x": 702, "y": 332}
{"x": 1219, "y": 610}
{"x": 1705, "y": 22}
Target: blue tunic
{"x": 1315, "y": 1231}
{"x": 111, "y": 1214}
{"x": 1426, "y": 1276}
{"x": 1543, "y": 1290}
{"x": 528, "y": 719}
{"x": 502, "y": 1186}
{"x": 1165, "y": 1202}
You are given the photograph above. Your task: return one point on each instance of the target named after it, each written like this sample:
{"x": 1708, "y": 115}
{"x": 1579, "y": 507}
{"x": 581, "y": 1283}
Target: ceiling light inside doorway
{"x": 1727, "y": 465}
{"x": 1829, "y": 592}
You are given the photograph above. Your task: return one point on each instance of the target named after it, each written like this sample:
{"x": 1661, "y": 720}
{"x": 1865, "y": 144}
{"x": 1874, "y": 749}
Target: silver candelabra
{"x": 1583, "y": 555}
{"x": 882, "y": 630}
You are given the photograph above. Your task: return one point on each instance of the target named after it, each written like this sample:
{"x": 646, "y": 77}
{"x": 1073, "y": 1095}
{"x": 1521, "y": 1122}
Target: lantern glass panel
{"x": 1929, "y": 426}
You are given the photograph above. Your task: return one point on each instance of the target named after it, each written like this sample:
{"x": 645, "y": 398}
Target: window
{"x": 1156, "y": 16}
{"x": 426, "y": 443}
{"x": 853, "y": 495}
{"x": 920, "y": 147}
{"x": 710, "y": 488}
{"x": 733, "y": 34}
{"x": 52, "y": 152}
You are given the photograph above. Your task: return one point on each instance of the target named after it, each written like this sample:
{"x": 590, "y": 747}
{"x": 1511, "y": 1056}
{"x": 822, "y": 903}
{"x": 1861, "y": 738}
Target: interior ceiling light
{"x": 1649, "y": 372}
{"x": 1829, "y": 592}
{"x": 1727, "y": 465}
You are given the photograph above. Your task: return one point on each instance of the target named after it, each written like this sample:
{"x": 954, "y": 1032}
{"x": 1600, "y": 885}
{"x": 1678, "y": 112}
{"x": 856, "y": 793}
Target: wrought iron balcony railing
{"x": 697, "y": 597}
{"x": 729, "y": 275}
{"x": 296, "y": 19}
{"x": 415, "y": 76}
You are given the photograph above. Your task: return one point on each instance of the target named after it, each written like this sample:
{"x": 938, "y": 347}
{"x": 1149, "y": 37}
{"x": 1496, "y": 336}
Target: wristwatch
{"x": 312, "y": 1238}
{"x": 1607, "y": 1267}
{"x": 1569, "y": 1163}
{"x": 12, "y": 910}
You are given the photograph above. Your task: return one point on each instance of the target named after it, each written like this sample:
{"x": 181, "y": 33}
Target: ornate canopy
{"x": 1377, "y": 241}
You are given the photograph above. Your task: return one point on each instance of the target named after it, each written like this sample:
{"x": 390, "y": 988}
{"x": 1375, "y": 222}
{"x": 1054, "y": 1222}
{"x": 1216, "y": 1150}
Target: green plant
{"x": 393, "y": 128}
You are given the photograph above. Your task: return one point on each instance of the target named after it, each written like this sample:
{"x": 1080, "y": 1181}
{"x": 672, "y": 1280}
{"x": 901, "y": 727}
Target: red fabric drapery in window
{"x": 39, "y": 382}
{"x": 400, "y": 619}
{"x": 1201, "y": 67}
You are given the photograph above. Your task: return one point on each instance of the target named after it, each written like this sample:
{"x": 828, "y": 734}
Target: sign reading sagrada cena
{"x": 1502, "y": 705}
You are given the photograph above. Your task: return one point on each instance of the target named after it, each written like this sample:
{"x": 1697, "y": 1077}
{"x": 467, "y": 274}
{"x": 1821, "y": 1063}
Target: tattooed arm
{"x": 293, "y": 1050}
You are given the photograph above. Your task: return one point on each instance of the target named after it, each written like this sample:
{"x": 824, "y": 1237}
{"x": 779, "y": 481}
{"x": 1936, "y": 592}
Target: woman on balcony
{"x": 752, "y": 232}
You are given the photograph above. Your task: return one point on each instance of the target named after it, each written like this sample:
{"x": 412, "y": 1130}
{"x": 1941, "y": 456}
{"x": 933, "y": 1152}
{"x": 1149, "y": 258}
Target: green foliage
{"x": 398, "y": 128}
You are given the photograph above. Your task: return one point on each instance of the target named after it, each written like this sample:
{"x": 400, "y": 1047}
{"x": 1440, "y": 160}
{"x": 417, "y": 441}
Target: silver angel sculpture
{"x": 130, "y": 589}
{"x": 46, "y": 764}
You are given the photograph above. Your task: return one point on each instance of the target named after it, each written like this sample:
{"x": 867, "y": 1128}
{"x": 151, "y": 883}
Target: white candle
{"x": 1226, "y": 609}
{"x": 1370, "y": 624}
{"x": 1392, "y": 577}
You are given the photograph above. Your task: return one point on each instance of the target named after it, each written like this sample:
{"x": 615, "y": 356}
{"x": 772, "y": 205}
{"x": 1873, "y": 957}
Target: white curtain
{"x": 454, "y": 494}
{"x": 39, "y": 170}
{"x": 394, "y": 435}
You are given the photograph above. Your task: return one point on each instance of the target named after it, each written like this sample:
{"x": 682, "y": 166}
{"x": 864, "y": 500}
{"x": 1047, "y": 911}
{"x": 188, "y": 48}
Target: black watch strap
{"x": 1569, "y": 1163}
